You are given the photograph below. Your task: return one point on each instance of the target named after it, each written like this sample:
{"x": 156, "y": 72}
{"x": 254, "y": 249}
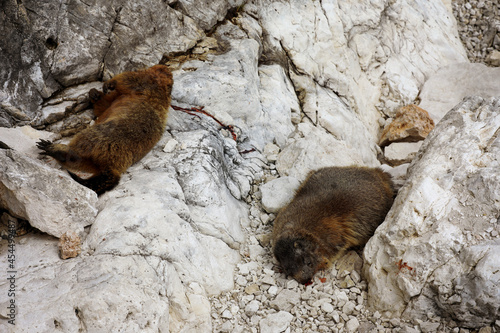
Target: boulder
{"x": 449, "y": 85}
{"x": 48, "y": 198}
{"x": 436, "y": 249}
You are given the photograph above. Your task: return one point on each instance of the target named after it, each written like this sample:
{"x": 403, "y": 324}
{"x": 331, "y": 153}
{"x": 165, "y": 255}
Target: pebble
{"x": 276, "y": 322}
{"x": 252, "y": 308}
{"x": 327, "y": 307}
{"x": 352, "y": 325}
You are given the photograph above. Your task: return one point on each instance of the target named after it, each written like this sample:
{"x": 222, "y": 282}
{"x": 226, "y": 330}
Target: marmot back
{"x": 334, "y": 209}
{"x": 131, "y": 117}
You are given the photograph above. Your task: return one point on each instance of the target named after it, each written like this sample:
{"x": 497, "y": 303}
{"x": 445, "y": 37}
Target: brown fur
{"x": 132, "y": 114}
{"x": 336, "y": 208}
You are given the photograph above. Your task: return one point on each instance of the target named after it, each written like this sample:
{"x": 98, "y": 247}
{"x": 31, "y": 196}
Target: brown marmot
{"x": 132, "y": 114}
{"x": 334, "y": 209}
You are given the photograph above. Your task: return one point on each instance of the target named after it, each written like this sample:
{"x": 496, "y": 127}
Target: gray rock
{"x": 276, "y": 322}
{"x": 252, "y": 308}
{"x": 352, "y": 325}
{"x": 278, "y": 193}
{"x": 451, "y": 84}
{"x": 286, "y": 300}
{"x": 432, "y": 244}
{"x": 398, "y": 153}
{"x": 49, "y": 199}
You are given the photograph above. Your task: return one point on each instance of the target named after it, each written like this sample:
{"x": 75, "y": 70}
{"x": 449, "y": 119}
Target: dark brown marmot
{"x": 334, "y": 209}
{"x": 132, "y": 114}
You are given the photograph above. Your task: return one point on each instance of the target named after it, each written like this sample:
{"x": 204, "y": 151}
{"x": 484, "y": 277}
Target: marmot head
{"x": 299, "y": 257}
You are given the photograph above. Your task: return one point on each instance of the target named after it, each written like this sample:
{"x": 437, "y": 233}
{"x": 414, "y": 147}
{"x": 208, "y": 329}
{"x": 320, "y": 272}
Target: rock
{"x": 23, "y": 139}
{"x": 252, "y": 308}
{"x": 70, "y": 245}
{"x": 352, "y": 325}
{"x": 397, "y": 173}
{"x": 398, "y": 153}
{"x": 315, "y": 148}
{"x": 278, "y": 193}
{"x": 411, "y": 124}
{"x": 49, "y": 199}
{"x": 349, "y": 262}
{"x": 348, "y": 308}
{"x": 252, "y": 289}
{"x": 285, "y": 300}
{"x": 432, "y": 249}
{"x": 428, "y": 327}
{"x": 493, "y": 59}
{"x": 276, "y": 322}
{"x": 451, "y": 84}
{"x": 327, "y": 307}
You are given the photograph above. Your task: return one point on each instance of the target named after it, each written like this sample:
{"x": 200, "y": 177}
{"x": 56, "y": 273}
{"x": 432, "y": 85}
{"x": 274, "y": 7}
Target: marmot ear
{"x": 162, "y": 69}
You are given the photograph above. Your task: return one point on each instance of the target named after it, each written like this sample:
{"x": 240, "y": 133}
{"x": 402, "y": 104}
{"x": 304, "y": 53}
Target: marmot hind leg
{"x": 67, "y": 157}
{"x": 100, "y": 183}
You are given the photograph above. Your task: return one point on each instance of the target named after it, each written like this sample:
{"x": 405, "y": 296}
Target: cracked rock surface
{"x": 182, "y": 244}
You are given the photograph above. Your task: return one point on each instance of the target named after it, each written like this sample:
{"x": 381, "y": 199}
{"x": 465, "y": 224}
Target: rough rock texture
{"x": 49, "y": 199}
{"x": 180, "y": 245}
{"x": 449, "y": 85}
{"x": 411, "y": 124}
{"x": 438, "y": 248}
{"x": 70, "y": 245}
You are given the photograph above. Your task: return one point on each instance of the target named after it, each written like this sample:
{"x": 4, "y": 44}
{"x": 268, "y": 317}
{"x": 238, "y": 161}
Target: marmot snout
{"x": 336, "y": 208}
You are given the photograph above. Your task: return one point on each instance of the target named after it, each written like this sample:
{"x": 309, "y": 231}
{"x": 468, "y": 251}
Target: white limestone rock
{"x": 278, "y": 192}
{"x": 48, "y": 198}
{"x": 276, "y": 322}
{"x": 23, "y": 139}
{"x": 314, "y": 148}
{"x": 398, "y": 153}
{"x": 363, "y": 51}
{"x": 449, "y": 85}
{"x": 432, "y": 251}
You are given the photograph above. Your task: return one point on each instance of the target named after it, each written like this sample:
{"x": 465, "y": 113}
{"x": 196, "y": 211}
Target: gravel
{"x": 479, "y": 28}
{"x": 264, "y": 300}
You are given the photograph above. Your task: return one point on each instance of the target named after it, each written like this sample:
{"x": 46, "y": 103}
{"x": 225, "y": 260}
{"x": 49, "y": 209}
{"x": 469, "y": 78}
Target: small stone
{"x": 252, "y": 308}
{"x": 428, "y": 327}
{"x": 226, "y": 327}
{"x": 273, "y": 290}
{"x": 335, "y": 316}
{"x": 327, "y": 307}
{"x": 276, "y": 322}
{"x": 352, "y": 325}
{"x": 170, "y": 146}
{"x": 278, "y": 192}
{"x": 70, "y": 245}
{"x": 285, "y": 300}
{"x": 256, "y": 251}
{"x": 252, "y": 289}
{"x": 241, "y": 280}
{"x": 268, "y": 279}
{"x": 347, "y": 283}
{"x": 486, "y": 329}
{"x": 493, "y": 58}
{"x": 292, "y": 284}
{"x": 411, "y": 124}
{"x": 348, "y": 308}
{"x": 226, "y": 314}
{"x": 398, "y": 153}
{"x": 349, "y": 262}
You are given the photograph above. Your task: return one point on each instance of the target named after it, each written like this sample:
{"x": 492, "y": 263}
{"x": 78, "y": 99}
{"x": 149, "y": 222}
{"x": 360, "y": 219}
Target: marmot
{"x": 132, "y": 114}
{"x": 334, "y": 209}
